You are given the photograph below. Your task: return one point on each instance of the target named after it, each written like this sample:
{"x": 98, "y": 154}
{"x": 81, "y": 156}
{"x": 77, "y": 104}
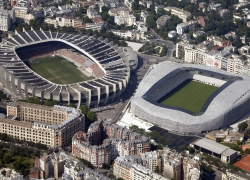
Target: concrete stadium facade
{"x": 229, "y": 103}
{"x": 21, "y": 80}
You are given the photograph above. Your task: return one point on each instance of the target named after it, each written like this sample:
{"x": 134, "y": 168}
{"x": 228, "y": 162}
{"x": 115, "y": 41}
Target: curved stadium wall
{"x": 21, "y": 80}
{"x": 229, "y": 103}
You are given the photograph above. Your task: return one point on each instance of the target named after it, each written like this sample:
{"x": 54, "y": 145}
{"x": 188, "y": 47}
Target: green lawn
{"x": 190, "y": 95}
{"x": 57, "y": 70}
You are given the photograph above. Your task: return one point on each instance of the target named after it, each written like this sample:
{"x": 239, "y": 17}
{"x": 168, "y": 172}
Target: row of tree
{"x": 6, "y": 138}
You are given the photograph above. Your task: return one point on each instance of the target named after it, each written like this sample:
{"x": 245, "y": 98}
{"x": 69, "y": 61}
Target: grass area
{"x": 235, "y": 147}
{"x": 57, "y": 70}
{"x": 190, "y": 95}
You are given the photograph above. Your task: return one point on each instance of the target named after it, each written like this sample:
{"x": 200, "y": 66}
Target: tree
{"x": 182, "y": 148}
{"x": 151, "y": 22}
{"x": 49, "y": 102}
{"x": 33, "y": 100}
{"x": 242, "y": 126}
{"x": 91, "y": 116}
{"x": 84, "y": 109}
{"x": 135, "y": 6}
{"x": 123, "y": 43}
{"x": 191, "y": 150}
{"x": 105, "y": 9}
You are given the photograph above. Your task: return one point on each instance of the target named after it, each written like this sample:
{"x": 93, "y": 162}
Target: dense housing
{"x": 52, "y": 126}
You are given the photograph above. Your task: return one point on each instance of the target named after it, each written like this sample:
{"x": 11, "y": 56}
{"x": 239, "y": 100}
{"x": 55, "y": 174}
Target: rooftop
{"x": 212, "y": 145}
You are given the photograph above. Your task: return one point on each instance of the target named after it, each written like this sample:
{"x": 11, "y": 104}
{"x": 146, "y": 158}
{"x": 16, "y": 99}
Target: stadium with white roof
{"x": 229, "y": 103}
{"x": 108, "y": 64}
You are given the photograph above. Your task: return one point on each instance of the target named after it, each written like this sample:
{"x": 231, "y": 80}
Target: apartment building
{"x": 119, "y": 11}
{"x": 235, "y": 175}
{"x": 52, "y": 126}
{"x": 129, "y": 168}
{"x": 128, "y": 20}
{"x": 186, "y": 27}
{"x": 132, "y": 34}
{"x": 191, "y": 168}
{"x": 24, "y": 13}
{"x": 52, "y": 165}
{"x": 105, "y": 141}
{"x": 163, "y": 21}
{"x": 10, "y": 174}
{"x": 139, "y": 172}
{"x": 153, "y": 160}
{"x": 184, "y": 15}
{"x": 76, "y": 170}
{"x": 5, "y": 21}
{"x": 172, "y": 163}
{"x": 236, "y": 64}
{"x": 205, "y": 54}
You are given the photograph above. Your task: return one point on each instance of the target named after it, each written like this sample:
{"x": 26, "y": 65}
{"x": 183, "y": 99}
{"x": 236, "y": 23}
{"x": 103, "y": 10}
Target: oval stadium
{"x": 188, "y": 98}
{"x": 69, "y": 68}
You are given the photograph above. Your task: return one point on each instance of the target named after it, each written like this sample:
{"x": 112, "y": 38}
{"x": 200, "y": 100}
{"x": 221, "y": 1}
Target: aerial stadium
{"x": 188, "y": 98}
{"x": 69, "y": 68}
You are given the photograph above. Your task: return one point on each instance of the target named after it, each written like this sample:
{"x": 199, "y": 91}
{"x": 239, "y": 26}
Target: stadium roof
{"x": 226, "y": 107}
{"x": 211, "y": 145}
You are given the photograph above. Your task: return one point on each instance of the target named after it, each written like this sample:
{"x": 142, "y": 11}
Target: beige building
{"x": 228, "y": 136}
{"x": 237, "y": 175}
{"x": 52, "y": 126}
{"x": 129, "y": 168}
{"x": 52, "y": 165}
{"x": 120, "y": 11}
{"x": 105, "y": 141}
{"x": 184, "y": 15}
{"x": 152, "y": 160}
{"x": 172, "y": 164}
{"x": 128, "y": 20}
{"x": 236, "y": 64}
{"x": 163, "y": 21}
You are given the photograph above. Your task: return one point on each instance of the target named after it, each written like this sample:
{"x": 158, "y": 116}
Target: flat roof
{"x": 211, "y": 145}
{"x": 229, "y": 152}
{"x": 16, "y": 123}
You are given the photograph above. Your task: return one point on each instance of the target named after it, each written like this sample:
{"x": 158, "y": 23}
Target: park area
{"x": 57, "y": 70}
{"x": 189, "y": 95}
{"x": 244, "y": 163}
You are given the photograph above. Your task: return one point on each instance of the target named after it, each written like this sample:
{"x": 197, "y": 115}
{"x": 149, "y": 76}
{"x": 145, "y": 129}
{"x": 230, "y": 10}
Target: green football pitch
{"x": 57, "y": 70}
{"x": 189, "y": 95}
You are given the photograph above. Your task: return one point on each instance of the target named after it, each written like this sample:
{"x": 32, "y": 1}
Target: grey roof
{"x": 211, "y": 145}
{"x": 228, "y": 152}
{"x": 221, "y": 112}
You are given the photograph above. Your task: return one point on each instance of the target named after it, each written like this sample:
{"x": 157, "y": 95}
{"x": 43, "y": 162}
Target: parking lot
{"x": 178, "y": 140}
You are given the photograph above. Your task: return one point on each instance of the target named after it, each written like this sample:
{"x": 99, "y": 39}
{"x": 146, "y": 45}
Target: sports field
{"x": 190, "y": 95}
{"x": 57, "y": 70}
{"x": 244, "y": 163}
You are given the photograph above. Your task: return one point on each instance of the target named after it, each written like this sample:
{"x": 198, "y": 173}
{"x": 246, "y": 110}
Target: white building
{"x": 128, "y": 20}
{"x": 172, "y": 34}
{"x": 132, "y": 34}
{"x": 139, "y": 172}
{"x": 65, "y": 21}
{"x": 184, "y": 15}
{"x": 76, "y": 170}
{"x": 141, "y": 26}
{"x": 5, "y": 21}
{"x": 144, "y": 15}
{"x": 120, "y": 11}
{"x": 185, "y": 27}
{"x": 10, "y": 174}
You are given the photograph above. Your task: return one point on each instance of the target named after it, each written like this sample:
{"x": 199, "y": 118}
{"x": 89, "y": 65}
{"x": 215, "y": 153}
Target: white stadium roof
{"x": 229, "y": 105}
